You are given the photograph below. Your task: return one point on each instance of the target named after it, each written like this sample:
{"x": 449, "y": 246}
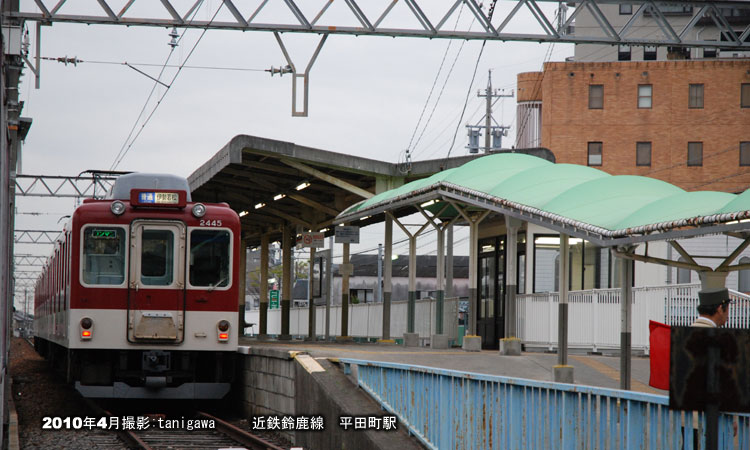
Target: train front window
{"x": 103, "y": 255}
{"x": 157, "y": 257}
{"x": 209, "y": 258}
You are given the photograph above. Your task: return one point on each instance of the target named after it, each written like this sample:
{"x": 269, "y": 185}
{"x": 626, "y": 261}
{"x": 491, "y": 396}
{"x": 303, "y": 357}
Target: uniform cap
{"x": 710, "y": 297}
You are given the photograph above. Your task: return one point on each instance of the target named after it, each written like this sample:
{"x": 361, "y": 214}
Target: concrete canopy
{"x": 251, "y": 170}
{"x": 576, "y": 200}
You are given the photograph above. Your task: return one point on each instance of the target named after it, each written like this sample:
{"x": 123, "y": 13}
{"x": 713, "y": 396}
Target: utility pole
{"x": 493, "y": 134}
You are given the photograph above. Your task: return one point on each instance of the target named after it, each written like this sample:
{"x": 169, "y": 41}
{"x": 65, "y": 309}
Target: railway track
{"x": 205, "y": 432}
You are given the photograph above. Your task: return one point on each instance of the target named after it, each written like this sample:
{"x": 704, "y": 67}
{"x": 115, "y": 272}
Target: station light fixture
{"x": 302, "y": 186}
{"x": 243, "y": 213}
{"x": 426, "y": 204}
{"x": 279, "y": 197}
{"x": 259, "y": 205}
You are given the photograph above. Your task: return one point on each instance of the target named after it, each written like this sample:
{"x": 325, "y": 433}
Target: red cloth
{"x": 659, "y": 342}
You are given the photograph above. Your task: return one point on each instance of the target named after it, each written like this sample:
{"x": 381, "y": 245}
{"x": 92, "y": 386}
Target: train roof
{"x": 123, "y": 185}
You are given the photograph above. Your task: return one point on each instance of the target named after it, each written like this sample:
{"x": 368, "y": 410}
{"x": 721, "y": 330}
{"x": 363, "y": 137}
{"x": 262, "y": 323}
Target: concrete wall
{"x": 268, "y": 386}
{"x": 276, "y": 383}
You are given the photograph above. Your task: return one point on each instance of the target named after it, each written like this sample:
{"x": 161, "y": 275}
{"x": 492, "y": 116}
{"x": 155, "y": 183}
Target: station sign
{"x": 273, "y": 296}
{"x": 311, "y": 239}
{"x": 347, "y": 235}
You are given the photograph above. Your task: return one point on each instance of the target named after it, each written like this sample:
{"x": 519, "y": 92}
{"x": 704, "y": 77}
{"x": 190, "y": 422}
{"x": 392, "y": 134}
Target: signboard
{"x": 709, "y": 366}
{"x": 273, "y": 296}
{"x": 347, "y": 235}
{"x": 311, "y": 239}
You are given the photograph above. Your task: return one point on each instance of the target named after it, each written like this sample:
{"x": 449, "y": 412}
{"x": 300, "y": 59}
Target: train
{"x": 140, "y": 296}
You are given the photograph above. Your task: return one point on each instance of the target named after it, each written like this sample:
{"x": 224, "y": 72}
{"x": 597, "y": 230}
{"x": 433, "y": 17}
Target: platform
{"x": 591, "y": 370}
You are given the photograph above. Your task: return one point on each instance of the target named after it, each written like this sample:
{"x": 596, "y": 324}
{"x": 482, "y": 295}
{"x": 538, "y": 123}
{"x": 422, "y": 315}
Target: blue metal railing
{"x": 447, "y": 409}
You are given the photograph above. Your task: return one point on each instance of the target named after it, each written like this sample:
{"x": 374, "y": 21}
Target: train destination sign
{"x": 159, "y": 198}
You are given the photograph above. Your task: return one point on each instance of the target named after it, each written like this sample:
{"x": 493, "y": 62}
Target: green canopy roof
{"x": 585, "y": 199}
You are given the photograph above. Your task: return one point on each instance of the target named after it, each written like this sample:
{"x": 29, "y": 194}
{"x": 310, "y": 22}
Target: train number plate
{"x": 210, "y": 223}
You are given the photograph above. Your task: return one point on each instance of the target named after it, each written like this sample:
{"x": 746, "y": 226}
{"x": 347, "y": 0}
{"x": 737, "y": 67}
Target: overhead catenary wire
{"x": 169, "y": 86}
{"x": 471, "y": 84}
{"x": 171, "y": 66}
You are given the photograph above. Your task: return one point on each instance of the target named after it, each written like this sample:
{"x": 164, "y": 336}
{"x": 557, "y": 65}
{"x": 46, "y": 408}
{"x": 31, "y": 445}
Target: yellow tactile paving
{"x": 614, "y": 374}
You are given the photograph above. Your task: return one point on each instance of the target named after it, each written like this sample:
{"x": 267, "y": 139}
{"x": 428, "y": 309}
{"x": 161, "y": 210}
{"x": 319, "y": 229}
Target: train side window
{"x": 103, "y": 255}
{"x": 210, "y": 258}
{"x": 157, "y": 257}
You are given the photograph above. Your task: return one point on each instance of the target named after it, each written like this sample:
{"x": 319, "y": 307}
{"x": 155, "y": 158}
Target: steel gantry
{"x": 93, "y": 186}
{"x": 430, "y": 22}
{"x": 429, "y": 19}
{"x": 36, "y": 236}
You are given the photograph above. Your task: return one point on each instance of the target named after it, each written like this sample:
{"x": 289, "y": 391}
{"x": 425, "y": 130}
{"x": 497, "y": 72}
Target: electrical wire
{"x": 171, "y": 83}
{"x": 434, "y": 82}
{"x": 126, "y": 63}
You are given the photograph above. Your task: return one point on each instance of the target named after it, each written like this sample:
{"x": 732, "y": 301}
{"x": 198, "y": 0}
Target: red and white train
{"x": 140, "y": 297}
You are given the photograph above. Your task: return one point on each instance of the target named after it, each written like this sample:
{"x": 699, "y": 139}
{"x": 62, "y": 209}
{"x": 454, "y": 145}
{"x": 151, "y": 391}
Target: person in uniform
{"x": 713, "y": 307}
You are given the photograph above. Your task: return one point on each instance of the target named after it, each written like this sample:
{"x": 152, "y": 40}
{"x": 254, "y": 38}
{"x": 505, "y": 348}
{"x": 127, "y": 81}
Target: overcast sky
{"x": 366, "y": 93}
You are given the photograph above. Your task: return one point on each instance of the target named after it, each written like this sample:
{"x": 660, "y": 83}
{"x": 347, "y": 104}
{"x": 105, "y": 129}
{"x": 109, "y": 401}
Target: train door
{"x": 156, "y": 287}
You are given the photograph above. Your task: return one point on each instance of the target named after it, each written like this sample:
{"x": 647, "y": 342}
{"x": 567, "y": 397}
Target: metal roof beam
{"x": 338, "y": 182}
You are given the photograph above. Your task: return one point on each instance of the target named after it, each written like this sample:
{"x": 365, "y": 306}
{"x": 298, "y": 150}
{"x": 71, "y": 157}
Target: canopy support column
{"x": 473, "y": 262}
{"x": 562, "y": 372}
{"x": 411, "y": 338}
{"x": 449, "y": 263}
{"x": 511, "y": 288}
{"x": 626, "y": 311}
{"x": 388, "y": 272}
{"x": 263, "y": 325}
{"x": 242, "y": 282}
{"x": 286, "y": 280}
{"x": 311, "y": 335}
{"x": 439, "y": 340}
{"x": 346, "y": 270}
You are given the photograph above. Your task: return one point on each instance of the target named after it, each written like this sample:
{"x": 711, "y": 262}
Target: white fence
{"x": 365, "y": 319}
{"x": 594, "y": 315}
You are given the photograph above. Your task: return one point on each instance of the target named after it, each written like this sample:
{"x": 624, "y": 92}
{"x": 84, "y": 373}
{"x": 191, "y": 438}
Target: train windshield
{"x": 103, "y": 255}
{"x": 209, "y": 258}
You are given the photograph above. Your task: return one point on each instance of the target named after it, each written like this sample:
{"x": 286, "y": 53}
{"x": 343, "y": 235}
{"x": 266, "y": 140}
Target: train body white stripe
{"x": 110, "y": 331}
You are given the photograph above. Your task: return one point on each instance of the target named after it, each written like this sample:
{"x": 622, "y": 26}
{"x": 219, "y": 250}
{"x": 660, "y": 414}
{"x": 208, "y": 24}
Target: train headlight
{"x": 117, "y": 207}
{"x": 223, "y": 327}
{"x": 87, "y": 328}
{"x": 199, "y": 210}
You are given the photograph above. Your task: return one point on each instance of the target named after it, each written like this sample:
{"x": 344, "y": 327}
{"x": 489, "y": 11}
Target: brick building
{"x": 686, "y": 122}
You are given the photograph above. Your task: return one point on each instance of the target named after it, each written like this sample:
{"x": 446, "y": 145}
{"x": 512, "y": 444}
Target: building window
{"x": 745, "y": 153}
{"x": 709, "y": 52}
{"x": 643, "y": 154}
{"x": 695, "y": 154}
{"x": 745, "y": 95}
{"x": 644, "y": 95}
{"x": 596, "y": 96}
{"x": 623, "y": 53}
{"x": 626, "y": 9}
{"x": 649, "y": 53}
{"x": 695, "y": 99}
{"x": 595, "y": 154}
